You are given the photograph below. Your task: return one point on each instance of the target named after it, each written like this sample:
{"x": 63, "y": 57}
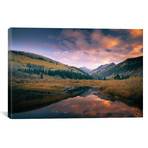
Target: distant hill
{"x": 29, "y": 65}
{"x": 129, "y": 67}
{"x": 85, "y": 69}
{"x": 96, "y": 72}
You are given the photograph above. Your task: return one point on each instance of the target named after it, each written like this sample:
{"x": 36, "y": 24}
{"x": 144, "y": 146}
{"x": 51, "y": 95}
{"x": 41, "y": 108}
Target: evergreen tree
{"x": 41, "y": 76}
{"x": 117, "y": 77}
{"x": 105, "y": 78}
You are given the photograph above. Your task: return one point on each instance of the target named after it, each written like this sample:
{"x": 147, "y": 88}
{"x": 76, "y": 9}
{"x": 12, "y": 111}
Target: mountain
{"x": 29, "y": 65}
{"x": 33, "y": 66}
{"x": 85, "y": 69}
{"x": 96, "y": 72}
{"x": 129, "y": 67}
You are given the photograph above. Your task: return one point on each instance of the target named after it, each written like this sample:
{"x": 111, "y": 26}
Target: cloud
{"x": 93, "y": 48}
{"x": 136, "y": 32}
{"x": 137, "y": 51}
{"x": 52, "y": 46}
{"x": 72, "y": 33}
{"x": 105, "y": 41}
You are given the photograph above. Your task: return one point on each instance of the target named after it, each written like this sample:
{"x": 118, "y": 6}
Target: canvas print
{"x": 75, "y": 73}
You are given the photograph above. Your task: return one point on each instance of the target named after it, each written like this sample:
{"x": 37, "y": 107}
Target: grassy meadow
{"x": 44, "y": 91}
{"x": 122, "y": 88}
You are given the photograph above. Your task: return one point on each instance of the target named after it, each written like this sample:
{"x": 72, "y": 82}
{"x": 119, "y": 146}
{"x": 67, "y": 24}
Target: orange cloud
{"x": 136, "y": 32}
{"x": 110, "y": 42}
{"x": 107, "y": 42}
{"x": 136, "y": 51}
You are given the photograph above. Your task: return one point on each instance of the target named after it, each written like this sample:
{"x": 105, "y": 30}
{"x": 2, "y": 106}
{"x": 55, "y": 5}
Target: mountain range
{"x": 129, "y": 67}
{"x": 29, "y": 65}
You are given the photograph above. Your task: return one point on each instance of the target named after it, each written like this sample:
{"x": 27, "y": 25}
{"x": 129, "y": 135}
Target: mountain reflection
{"x": 86, "y": 105}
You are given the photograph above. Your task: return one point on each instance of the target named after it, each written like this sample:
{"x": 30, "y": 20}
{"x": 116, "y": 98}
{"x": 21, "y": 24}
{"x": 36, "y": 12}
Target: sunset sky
{"x": 80, "y": 47}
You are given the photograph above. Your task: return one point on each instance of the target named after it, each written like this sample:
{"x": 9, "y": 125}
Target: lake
{"x": 85, "y": 105}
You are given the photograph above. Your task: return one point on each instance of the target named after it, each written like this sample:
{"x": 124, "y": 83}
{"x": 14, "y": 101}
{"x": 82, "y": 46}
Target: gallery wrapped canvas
{"x": 75, "y": 73}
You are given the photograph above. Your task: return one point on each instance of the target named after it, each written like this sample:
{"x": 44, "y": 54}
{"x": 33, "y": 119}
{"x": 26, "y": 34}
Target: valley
{"x": 38, "y": 81}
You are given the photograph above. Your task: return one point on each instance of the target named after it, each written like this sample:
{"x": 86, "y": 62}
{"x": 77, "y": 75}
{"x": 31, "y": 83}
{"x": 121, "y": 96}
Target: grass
{"x": 40, "y": 91}
{"x": 126, "y": 88}
{"x": 45, "y": 85}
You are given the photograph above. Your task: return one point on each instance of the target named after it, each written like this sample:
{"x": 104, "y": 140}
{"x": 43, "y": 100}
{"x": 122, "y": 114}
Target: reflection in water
{"x": 85, "y": 105}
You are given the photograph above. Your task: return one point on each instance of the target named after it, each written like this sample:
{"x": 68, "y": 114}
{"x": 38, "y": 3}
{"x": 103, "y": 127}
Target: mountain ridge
{"x": 38, "y": 57}
{"x": 129, "y": 67}
{"x": 96, "y": 71}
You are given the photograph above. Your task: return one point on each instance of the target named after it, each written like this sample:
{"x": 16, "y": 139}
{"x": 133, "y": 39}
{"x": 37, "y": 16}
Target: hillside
{"x": 129, "y": 67}
{"x": 96, "y": 72}
{"x": 29, "y": 65}
{"x": 33, "y": 66}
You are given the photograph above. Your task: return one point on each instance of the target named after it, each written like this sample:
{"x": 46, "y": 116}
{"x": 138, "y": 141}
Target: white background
{"x": 72, "y": 133}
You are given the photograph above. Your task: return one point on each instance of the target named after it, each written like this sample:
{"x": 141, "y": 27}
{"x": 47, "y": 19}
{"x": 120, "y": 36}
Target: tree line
{"x": 116, "y": 77}
{"x": 40, "y": 70}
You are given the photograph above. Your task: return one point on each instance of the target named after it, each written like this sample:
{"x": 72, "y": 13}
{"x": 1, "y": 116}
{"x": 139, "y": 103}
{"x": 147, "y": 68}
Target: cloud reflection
{"x": 93, "y": 106}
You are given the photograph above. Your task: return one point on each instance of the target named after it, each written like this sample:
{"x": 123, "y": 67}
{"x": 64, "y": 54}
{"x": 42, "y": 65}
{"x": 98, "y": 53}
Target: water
{"x": 85, "y": 105}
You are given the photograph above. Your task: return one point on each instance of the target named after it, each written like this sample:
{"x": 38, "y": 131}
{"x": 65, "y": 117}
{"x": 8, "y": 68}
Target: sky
{"x": 79, "y": 47}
